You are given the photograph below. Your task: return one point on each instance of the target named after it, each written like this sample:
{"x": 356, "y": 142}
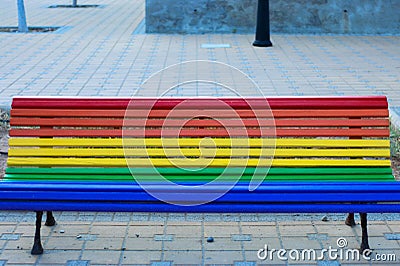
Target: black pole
{"x": 262, "y": 30}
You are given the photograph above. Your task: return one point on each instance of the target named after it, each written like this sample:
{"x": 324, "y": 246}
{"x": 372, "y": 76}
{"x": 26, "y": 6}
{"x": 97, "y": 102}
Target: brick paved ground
{"x": 126, "y": 238}
{"x": 103, "y": 52}
{"x": 97, "y": 53}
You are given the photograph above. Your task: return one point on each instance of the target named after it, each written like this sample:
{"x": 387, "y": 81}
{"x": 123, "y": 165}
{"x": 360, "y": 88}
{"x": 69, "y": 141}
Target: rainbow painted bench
{"x": 302, "y": 154}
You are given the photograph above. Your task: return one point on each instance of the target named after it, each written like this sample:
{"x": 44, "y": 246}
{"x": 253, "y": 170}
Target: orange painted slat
{"x": 329, "y": 102}
{"x": 200, "y": 133}
{"x": 140, "y": 113}
{"x": 249, "y": 122}
{"x": 66, "y": 113}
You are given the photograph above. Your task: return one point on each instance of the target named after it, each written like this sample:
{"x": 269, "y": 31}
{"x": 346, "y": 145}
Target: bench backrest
{"x": 306, "y": 138}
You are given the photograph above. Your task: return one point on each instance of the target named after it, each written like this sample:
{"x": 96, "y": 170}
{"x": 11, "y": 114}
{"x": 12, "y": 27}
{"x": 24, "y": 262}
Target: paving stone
{"x": 317, "y": 236}
{"x": 182, "y": 257}
{"x": 157, "y": 217}
{"x": 140, "y": 217}
{"x": 222, "y": 257}
{"x": 108, "y": 230}
{"x": 241, "y": 237}
{"x": 78, "y": 263}
{"x": 18, "y": 257}
{"x": 335, "y": 229}
{"x": 299, "y": 243}
{"x": 86, "y": 237}
{"x": 103, "y": 218}
{"x": 7, "y": 230}
{"x": 389, "y": 236}
{"x": 248, "y": 217}
{"x": 69, "y": 230}
{"x": 161, "y": 263}
{"x": 244, "y": 263}
{"x": 122, "y": 217}
{"x": 56, "y": 257}
{"x": 380, "y": 242}
{"x": 105, "y": 257}
{"x": 230, "y": 217}
{"x": 296, "y": 229}
{"x": 145, "y": 230}
{"x": 183, "y": 244}
{"x": 258, "y": 243}
{"x": 144, "y": 244}
{"x": 105, "y": 243}
{"x": 140, "y": 257}
{"x": 194, "y": 217}
{"x": 177, "y": 217}
{"x": 220, "y": 230}
{"x": 10, "y": 237}
{"x": 164, "y": 237}
{"x": 223, "y": 244}
{"x": 86, "y": 218}
{"x": 184, "y": 230}
{"x": 67, "y": 218}
{"x": 212, "y": 217}
{"x": 259, "y": 230}
{"x": 375, "y": 229}
{"x": 328, "y": 263}
{"x": 64, "y": 243}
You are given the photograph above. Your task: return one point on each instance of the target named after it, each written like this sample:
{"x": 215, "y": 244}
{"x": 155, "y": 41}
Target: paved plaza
{"x": 181, "y": 239}
{"x": 104, "y": 51}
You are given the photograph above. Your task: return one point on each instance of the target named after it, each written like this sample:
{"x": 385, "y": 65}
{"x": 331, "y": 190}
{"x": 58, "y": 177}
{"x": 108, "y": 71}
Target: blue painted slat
{"x": 274, "y": 197}
{"x": 249, "y": 197}
{"x": 282, "y": 187}
{"x": 226, "y": 208}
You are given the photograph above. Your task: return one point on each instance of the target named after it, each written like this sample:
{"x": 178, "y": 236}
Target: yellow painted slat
{"x": 220, "y": 142}
{"x": 207, "y": 152}
{"x": 121, "y": 162}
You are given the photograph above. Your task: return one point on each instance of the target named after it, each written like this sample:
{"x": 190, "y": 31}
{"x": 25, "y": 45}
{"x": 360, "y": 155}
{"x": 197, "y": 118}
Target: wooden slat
{"x": 204, "y": 171}
{"x": 248, "y": 122}
{"x": 116, "y": 162}
{"x": 140, "y": 113}
{"x": 200, "y": 133}
{"x": 204, "y": 178}
{"x": 205, "y": 152}
{"x": 196, "y": 142}
{"x": 238, "y": 103}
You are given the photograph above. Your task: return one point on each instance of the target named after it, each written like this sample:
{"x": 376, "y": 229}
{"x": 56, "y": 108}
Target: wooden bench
{"x": 303, "y": 154}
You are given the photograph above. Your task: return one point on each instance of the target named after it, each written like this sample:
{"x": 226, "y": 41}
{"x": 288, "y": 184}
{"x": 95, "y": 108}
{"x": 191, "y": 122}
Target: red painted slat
{"x": 344, "y": 102}
{"x": 249, "y": 122}
{"x": 140, "y": 113}
{"x": 201, "y": 133}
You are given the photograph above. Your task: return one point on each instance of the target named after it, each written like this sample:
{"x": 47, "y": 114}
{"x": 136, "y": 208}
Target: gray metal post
{"x": 263, "y": 30}
{"x": 74, "y": 3}
{"x": 22, "y": 25}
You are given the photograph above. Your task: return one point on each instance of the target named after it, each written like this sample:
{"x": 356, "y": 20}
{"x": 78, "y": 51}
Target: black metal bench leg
{"x": 350, "y": 220}
{"x": 37, "y": 248}
{"x": 364, "y": 238}
{"x": 50, "y": 221}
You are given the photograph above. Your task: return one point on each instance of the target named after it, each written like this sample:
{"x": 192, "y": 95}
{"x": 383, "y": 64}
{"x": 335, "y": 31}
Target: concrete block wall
{"x": 286, "y": 16}
{"x": 200, "y": 16}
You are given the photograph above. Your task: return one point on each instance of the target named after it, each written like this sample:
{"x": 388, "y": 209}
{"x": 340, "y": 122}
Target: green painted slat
{"x": 206, "y": 171}
{"x": 372, "y": 177}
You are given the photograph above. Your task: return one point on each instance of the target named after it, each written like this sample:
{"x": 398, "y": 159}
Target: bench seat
{"x": 274, "y": 198}
{"x": 305, "y": 154}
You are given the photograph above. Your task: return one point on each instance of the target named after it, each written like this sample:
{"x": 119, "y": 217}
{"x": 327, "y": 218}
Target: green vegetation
{"x": 4, "y": 119}
{"x": 394, "y": 141}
